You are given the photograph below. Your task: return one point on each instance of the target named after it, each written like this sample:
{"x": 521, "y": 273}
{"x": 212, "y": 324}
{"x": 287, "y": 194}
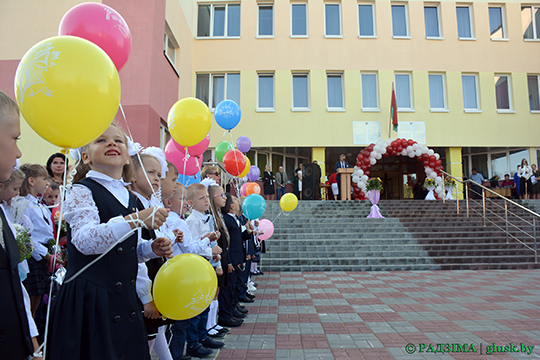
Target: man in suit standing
{"x": 341, "y": 164}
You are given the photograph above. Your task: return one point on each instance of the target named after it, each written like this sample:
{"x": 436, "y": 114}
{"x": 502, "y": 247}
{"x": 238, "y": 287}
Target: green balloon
{"x": 222, "y": 148}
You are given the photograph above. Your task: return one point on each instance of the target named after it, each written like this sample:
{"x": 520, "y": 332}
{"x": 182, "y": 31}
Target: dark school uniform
{"x": 98, "y": 314}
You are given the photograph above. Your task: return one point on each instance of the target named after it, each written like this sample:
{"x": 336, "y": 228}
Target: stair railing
{"x": 508, "y": 224}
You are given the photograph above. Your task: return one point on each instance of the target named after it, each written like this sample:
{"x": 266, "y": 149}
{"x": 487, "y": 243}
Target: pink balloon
{"x": 189, "y": 167}
{"x": 243, "y": 189}
{"x": 267, "y": 227}
{"x": 101, "y": 25}
{"x": 197, "y": 149}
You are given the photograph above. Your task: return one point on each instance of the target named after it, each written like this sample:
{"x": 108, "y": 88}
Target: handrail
{"x": 484, "y": 189}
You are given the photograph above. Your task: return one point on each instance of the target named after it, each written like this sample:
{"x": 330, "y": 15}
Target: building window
{"x": 366, "y": 20}
{"x": 300, "y": 91}
{"x": 334, "y": 88}
{"x": 400, "y": 26}
{"x": 299, "y": 27}
{"x": 221, "y": 20}
{"x": 534, "y": 98}
{"x": 530, "y": 17}
{"x": 437, "y": 92}
{"x": 266, "y": 20}
{"x": 464, "y": 23}
{"x": 496, "y": 22}
{"x": 370, "y": 93}
{"x": 170, "y": 46}
{"x": 431, "y": 18}
{"x": 404, "y": 92}
{"x": 502, "y": 92}
{"x": 470, "y": 92}
{"x": 213, "y": 88}
{"x": 265, "y": 98}
{"x": 332, "y": 21}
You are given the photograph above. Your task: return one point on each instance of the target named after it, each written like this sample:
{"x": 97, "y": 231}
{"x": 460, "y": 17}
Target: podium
{"x": 345, "y": 180}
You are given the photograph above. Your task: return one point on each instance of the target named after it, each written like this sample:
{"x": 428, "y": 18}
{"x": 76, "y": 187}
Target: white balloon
{"x": 355, "y": 179}
{"x": 424, "y": 149}
{"x": 437, "y": 156}
{"x": 378, "y": 156}
{"x": 438, "y": 180}
{"x": 428, "y": 170}
{"x": 383, "y": 151}
{"x": 430, "y": 152}
{"x": 415, "y": 147}
{"x": 364, "y": 178}
{"x": 404, "y": 152}
{"x": 409, "y": 149}
{"x": 372, "y": 161}
{"x": 372, "y": 155}
{"x": 360, "y": 172}
{"x": 417, "y": 152}
{"x": 411, "y": 154}
{"x": 433, "y": 175}
{"x": 356, "y": 168}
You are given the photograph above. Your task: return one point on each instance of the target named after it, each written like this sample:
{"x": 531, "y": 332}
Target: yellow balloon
{"x": 288, "y": 202}
{"x": 184, "y": 287}
{"x": 68, "y": 90}
{"x": 189, "y": 121}
{"x": 246, "y": 169}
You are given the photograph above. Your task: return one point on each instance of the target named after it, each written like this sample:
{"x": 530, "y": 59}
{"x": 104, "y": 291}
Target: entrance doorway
{"x": 398, "y": 175}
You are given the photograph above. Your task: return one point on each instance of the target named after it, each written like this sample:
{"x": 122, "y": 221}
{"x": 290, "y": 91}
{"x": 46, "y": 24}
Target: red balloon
{"x": 359, "y": 163}
{"x": 432, "y": 158}
{"x": 359, "y": 157}
{"x": 399, "y": 148}
{"x": 385, "y": 155}
{"x": 393, "y": 152}
{"x": 394, "y": 143}
{"x": 410, "y": 142}
{"x": 438, "y": 162}
{"x": 357, "y": 190}
{"x": 425, "y": 156}
{"x": 234, "y": 162}
{"x": 101, "y": 25}
{"x": 367, "y": 173}
{"x": 404, "y": 143}
{"x": 366, "y": 161}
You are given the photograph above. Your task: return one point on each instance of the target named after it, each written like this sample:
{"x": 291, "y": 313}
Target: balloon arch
{"x": 390, "y": 147}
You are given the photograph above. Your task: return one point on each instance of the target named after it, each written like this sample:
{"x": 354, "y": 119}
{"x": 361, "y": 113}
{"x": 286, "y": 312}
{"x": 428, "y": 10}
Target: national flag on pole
{"x": 393, "y": 110}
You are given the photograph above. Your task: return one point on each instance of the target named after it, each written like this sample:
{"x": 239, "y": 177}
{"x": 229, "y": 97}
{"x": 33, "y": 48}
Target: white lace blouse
{"x": 89, "y": 235}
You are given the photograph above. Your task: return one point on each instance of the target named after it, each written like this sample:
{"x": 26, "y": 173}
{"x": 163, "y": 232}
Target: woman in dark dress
{"x": 269, "y": 191}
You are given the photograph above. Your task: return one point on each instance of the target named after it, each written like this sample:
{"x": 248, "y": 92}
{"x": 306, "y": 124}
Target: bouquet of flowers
{"x": 449, "y": 182}
{"x": 374, "y": 184}
{"x": 60, "y": 221}
{"x": 429, "y": 182}
{"x": 24, "y": 242}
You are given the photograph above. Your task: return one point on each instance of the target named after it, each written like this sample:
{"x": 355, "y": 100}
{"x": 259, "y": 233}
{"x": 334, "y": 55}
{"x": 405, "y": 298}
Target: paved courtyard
{"x": 382, "y": 315}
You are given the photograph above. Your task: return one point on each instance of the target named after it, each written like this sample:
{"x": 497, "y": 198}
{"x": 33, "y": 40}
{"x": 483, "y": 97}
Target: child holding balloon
{"x": 97, "y": 307}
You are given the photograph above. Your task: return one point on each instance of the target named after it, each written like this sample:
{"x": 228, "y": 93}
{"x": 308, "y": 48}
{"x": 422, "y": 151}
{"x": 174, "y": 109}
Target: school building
{"x": 314, "y": 78}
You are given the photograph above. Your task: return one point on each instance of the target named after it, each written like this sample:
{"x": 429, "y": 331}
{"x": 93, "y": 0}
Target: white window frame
{"x": 226, "y": 23}
{"x": 370, "y": 109}
{"x": 510, "y": 110}
{"x": 300, "y": 73}
{"x": 445, "y": 101}
{"x": 266, "y": 74}
{"x": 411, "y": 96}
{"x": 374, "y": 36}
{"x": 263, "y": 4}
{"x": 536, "y": 36}
{"x": 340, "y": 21}
{"x": 471, "y": 22}
{"x": 170, "y": 39}
{"x": 439, "y": 21}
{"x": 408, "y": 36}
{"x": 477, "y": 89}
{"x": 211, "y": 77}
{"x": 335, "y": 109}
{"x": 307, "y": 20}
{"x": 503, "y": 22}
{"x": 538, "y": 85}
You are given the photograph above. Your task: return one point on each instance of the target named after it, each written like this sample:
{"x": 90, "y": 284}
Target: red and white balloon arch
{"x": 395, "y": 147}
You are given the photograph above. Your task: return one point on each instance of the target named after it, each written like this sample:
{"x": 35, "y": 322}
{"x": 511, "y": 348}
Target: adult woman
{"x": 56, "y": 165}
{"x": 525, "y": 173}
{"x": 535, "y": 191}
{"x": 269, "y": 191}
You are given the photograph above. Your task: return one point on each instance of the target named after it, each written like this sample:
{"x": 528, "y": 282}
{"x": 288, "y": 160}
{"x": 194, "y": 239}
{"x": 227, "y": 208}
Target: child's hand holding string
{"x": 151, "y": 311}
{"x": 151, "y": 218}
{"x": 179, "y": 236}
{"x": 162, "y": 247}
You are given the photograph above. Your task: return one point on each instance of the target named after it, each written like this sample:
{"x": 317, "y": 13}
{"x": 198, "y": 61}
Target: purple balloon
{"x": 243, "y": 144}
{"x": 253, "y": 173}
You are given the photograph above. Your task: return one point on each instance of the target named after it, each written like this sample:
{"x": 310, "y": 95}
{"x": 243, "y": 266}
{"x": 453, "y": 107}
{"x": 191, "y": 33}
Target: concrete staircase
{"x": 415, "y": 235}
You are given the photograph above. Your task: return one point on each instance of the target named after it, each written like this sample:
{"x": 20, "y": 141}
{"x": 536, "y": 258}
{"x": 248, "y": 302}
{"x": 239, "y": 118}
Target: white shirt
{"x": 175, "y": 222}
{"x": 299, "y": 181}
{"x": 89, "y": 235}
{"x": 525, "y": 172}
{"x": 40, "y": 216}
{"x": 199, "y": 226}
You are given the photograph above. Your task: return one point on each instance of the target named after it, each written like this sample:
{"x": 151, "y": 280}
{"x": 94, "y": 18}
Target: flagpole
{"x": 390, "y": 123}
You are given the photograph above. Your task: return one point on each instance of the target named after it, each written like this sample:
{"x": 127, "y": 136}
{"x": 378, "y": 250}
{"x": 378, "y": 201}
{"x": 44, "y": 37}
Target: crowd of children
{"x": 125, "y": 215}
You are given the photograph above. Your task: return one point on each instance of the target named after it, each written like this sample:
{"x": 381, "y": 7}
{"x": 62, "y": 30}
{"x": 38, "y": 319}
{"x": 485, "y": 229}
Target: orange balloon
{"x": 253, "y": 188}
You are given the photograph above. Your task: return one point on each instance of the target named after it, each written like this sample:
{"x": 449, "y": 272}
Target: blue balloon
{"x": 227, "y": 114}
{"x": 188, "y": 180}
{"x": 254, "y": 206}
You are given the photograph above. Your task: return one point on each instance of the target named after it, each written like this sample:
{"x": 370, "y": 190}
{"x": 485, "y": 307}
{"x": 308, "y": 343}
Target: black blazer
{"x": 338, "y": 165}
{"x": 237, "y": 254}
{"x": 15, "y": 342}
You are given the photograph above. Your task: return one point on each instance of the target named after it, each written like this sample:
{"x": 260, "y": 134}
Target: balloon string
{"x": 235, "y": 157}
{"x": 281, "y": 212}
